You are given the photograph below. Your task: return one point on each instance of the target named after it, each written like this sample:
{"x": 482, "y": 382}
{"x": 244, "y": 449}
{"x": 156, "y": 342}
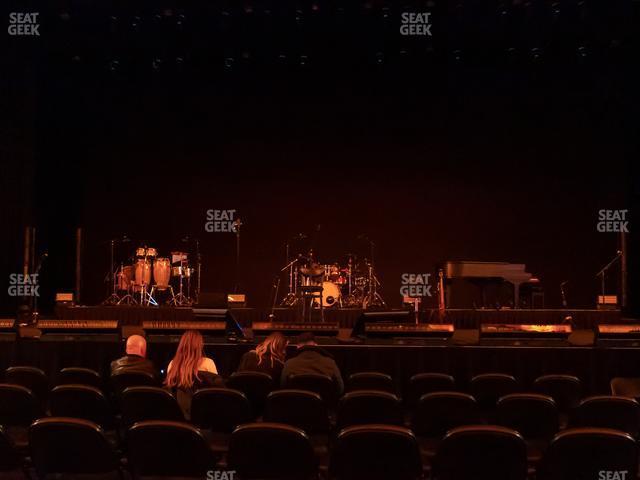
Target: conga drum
{"x": 162, "y": 272}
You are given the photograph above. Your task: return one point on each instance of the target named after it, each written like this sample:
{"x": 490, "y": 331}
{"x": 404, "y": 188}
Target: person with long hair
{"x": 268, "y": 357}
{"x": 190, "y": 370}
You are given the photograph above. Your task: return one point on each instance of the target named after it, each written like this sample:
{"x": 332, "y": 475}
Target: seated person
{"x": 268, "y": 357}
{"x": 135, "y": 359}
{"x": 190, "y": 370}
{"x": 312, "y": 359}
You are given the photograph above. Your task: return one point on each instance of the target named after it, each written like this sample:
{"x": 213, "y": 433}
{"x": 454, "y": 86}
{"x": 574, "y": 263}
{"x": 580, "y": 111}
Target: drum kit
{"x": 352, "y": 284}
{"x": 149, "y": 279}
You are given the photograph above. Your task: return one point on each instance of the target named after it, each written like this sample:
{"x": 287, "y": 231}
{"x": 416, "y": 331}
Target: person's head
{"x": 306, "y": 338}
{"x": 275, "y": 345}
{"x": 137, "y": 345}
{"x": 185, "y": 364}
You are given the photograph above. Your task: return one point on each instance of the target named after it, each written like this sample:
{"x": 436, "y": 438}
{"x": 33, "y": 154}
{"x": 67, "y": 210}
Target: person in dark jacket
{"x": 268, "y": 357}
{"x": 312, "y": 359}
{"x": 135, "y": 359}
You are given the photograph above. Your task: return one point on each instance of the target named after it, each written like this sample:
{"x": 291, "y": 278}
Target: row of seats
{"x": 566, "y": 390}
{"x": 60, "y": 446}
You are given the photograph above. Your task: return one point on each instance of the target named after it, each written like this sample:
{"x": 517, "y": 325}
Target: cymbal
{"x": 313, "y": 270}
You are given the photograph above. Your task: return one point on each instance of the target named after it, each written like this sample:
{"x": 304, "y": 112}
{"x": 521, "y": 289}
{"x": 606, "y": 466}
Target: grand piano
{"x": 484, "y": 284}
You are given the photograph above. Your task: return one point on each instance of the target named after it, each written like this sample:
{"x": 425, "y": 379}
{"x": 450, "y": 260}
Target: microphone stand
{"x": 237, "y": 224}
{"x": 602, "y": 272}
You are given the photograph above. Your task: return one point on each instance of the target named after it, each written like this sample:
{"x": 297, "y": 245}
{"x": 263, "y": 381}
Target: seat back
{"x": 422, "y": 383}
{"x": 122, "y": 380}
{"x": 566, "y": 390}
{"x": 148, "y": 403}
{"x": 487, "y": 388}
{"x": 300, "y": 408}
{"x": 481, "y": 452}
{"x": 9, "y": 457}
{"x": 437, "y": 413}
{"x": 255, "y": 385}
{"x": 586, "y": 452}
{"x": 370, "y": 381}
{"x": 369, "y": 406}
{"x": 534, "y": 416}
{"x": 371, "y": 452}
{"x": 323, "y": 385}
{"x": 81, "y": 401}
{"x": 62, "y": 445}
{"x": 18, "y": 406}
{"x": 271, "y": 450}
{"x": 618, "y": 413}
{"x": 80, "y": 376}
{"x": 169, "y": 449}
{"x": 30, "y": 377}
{"x": 220, "y": 409}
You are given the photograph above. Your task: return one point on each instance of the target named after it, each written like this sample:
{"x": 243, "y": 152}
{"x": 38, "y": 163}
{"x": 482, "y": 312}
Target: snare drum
{"x": 162, "y": 272}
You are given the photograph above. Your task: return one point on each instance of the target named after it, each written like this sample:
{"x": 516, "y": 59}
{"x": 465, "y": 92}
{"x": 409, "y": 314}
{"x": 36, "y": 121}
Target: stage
{"x": 344, "y": 318}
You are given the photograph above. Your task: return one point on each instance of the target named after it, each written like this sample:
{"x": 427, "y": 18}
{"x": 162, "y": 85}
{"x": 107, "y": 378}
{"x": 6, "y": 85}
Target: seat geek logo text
{"x": 24, "y": 24}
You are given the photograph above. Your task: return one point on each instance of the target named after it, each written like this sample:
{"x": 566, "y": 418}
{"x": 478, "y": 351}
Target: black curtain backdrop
{"x": 465, "y": 164}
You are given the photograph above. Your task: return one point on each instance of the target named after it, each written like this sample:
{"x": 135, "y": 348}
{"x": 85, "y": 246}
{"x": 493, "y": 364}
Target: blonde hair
{"x": 186, "y": 363}
{"x": 275, "y": 345}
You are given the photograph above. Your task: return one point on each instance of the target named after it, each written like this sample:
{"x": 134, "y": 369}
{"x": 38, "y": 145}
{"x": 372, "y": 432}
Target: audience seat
{"x": 618, "y": 413}
{"x": 271, "y": 451}
{"x": 169, "y": 449}
{"x": 70, "y": 446}
{"x": 533, "y": 416}
{"x": 18, "y": 409}
{"x": 369, "y": 406}
{"x": 586, "y": 452}
{"x": 481, "y": 453}
{"x": 487, "y": 388}
{"x": 148, "y": 403}
{"x": 323, "y": 385}
{"x": 566, "y": 390}
{"x": 219, "y": 411}
{"x": 625, "y": 387}
{"x": 11, "y": 461}
{"x": 81, "y": 401}
{"x": 122, "y": 380}
{"x": 370, "y": 381}
{"x": 437, "y": 413}
{"x": 32, "y": 378}
{"x": 255, "y": 385}
{"x": 375, "y": 452}
{"x": 304, "y": 410}
{"x": 80, "y": 376}
{"x": 423, "y": 383}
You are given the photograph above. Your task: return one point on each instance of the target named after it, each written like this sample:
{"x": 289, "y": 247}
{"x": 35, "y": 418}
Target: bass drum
{"x": 124, "y": 278}
{"x": 330, "y": 294}
{"x": 162, "y": 272}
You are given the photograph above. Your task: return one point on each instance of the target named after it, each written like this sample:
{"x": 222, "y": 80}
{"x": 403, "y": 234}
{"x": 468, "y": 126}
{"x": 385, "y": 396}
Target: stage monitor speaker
{"x": 582, "y": 338}
{"x": 212, "y": 300}
{"x": 465, "y": 336}
{"x": 29, "y": 333}
{"x": 390, "y": 316}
